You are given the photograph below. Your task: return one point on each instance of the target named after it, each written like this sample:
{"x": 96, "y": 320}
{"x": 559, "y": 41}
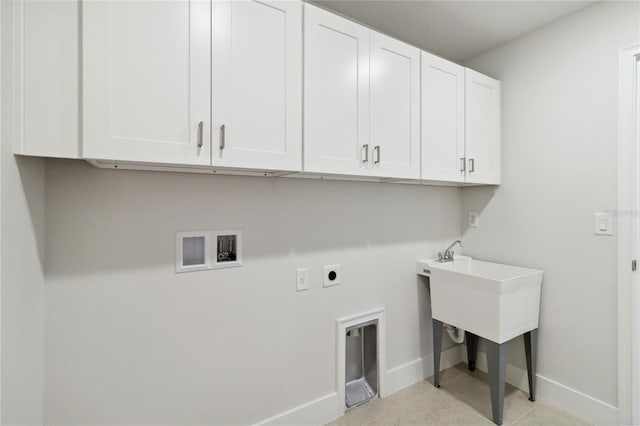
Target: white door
{"x": 336, "y": 94}
{"x": 394, "y": 73}
{"x": 442, "y": 97}
{"x": 482, "y": 128}
{"x": 146, "y": 81}
{"x": 257, "y": 84}
{"x": 635, "y": 247}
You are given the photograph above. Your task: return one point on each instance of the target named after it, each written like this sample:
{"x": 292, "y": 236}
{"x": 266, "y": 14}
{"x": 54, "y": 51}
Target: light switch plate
{"x": 302, "y": 279}
{"x": 602, "y": 224}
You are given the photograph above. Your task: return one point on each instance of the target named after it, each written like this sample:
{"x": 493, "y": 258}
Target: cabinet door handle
{"x": 462, "y": 164}
{"x": 366, "y": 153}
{"x": 222, "y": 129}
{"x": 376, "y": 150}
{"x": 472, "y": 165}
{"x": 200, "y": 140}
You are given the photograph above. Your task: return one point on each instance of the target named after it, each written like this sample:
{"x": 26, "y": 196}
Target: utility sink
{"x": 491, "y": 300}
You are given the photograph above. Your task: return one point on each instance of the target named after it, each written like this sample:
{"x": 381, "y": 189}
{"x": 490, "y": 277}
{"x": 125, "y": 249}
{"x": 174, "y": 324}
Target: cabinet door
{"x": 50, "y": 31}
{"x": 395, "y": 108}
{"x": 336, "y": 94}
{"x": 482, "y": 129}
{"x": 257, "y": 84}
{"x": 442, "y": 119}
{"x": 146, "y": 81}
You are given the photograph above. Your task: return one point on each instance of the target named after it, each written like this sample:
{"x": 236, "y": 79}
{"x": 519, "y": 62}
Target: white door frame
{"x": 627, "y": 224}
{"x": 2, "y": 60}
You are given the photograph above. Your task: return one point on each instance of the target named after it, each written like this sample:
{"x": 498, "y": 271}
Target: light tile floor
{"x": 462, "y": 399}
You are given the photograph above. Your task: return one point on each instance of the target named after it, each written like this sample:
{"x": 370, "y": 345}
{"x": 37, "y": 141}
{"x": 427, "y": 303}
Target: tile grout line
{"x": 452, "y": 380}
{"x": 413, "y": 398}
{"x": 477, "y": 405}
{"x": 385, "y": 408}
{"x": 474, "y": 404}
{"x": 525, "y": 414}
{"x": 383, "y": 412}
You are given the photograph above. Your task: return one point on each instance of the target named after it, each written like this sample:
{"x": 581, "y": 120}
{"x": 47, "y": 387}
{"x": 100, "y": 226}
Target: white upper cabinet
{"x": 219, "y": 84}
{"x": 336, "y": 94}
{"x": 257, "y": 85}
{"x": 146, "y": 81}
{"x": 443, "y": 156}
{"x": 394, "y": 107}
{"x": 460, "y": 123}
{"x": 482, "y": 128}
{"x": 50, "y": 88}
{"x": 362, "y": 100}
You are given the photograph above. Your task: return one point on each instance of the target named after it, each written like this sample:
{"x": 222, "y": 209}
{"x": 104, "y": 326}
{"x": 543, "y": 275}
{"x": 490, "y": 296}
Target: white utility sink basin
{"x": 491, "y": 300}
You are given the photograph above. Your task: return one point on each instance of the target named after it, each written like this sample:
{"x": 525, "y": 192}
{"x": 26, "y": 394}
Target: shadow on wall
{"x": 425, "y": 324}
{"x": 100, "y": 219}
{"x": 426, "y": 320}
{"x": 32, "y": 173}
{"x": 476, "y": 198}
{"x": 424, "y": 310}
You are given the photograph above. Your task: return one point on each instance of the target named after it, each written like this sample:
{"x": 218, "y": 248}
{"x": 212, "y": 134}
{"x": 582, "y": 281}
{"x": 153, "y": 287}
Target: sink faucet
{"x": 447, "y": 256}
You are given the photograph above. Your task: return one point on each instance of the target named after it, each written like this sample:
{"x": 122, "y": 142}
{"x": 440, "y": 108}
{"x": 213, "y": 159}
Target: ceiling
{"x": 456, "y": 30}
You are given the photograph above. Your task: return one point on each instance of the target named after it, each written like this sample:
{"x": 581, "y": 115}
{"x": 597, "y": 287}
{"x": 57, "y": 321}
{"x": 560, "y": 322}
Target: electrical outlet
{"x": 332, "y": 276}
{"x": 474, "y": 220}
{"x": 302, "y": 279}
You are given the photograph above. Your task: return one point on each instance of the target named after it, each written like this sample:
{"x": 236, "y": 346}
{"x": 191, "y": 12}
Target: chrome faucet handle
{"x": 447, "y": 256}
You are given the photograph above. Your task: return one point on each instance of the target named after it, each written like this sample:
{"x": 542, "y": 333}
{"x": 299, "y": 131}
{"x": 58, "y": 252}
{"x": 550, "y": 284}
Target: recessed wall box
{"x": 193, "y": 251}
{"x": 228, "y": 248}
{"x": 202, "y": 250}
{"x": 361, "y": 369}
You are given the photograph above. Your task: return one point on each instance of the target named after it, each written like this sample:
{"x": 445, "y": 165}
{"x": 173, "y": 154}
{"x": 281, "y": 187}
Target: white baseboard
{"x": 323, "y": 410}
{"x": 419, "y": 369}
{"x": 316, "y": 412}
{"x": 582, "y": 405}
{"x": 571, "y": 400}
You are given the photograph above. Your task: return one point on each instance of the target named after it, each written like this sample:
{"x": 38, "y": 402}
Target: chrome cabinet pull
{"x": 472, "y": 166}
{"x": 200, "y": 140}
{"x": 376, "y": 150}
{"x": 462, "y": 164}
{"x": 366, "y": 153}
{"x": 222, "y": 129}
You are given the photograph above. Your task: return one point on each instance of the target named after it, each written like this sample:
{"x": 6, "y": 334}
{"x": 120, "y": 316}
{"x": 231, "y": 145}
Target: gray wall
{"x": 22, "y": 211}
{"x": 559, "y": 112}
{"x": 129, "y": 341}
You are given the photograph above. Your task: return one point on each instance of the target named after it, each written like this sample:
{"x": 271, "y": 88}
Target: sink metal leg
{"x": 437, "y": 349}
{"x": 472, "y": 349}
{"x": 530, "y": 348}
{"x": 497, "y": 362}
